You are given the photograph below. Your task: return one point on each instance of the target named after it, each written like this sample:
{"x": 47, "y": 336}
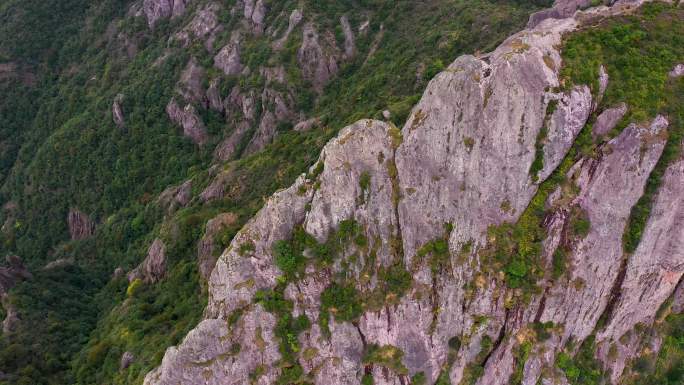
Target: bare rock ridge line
{"x": 461, "y": 161}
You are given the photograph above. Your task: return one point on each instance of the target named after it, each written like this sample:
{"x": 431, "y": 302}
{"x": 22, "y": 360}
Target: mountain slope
{"x": 460, "y": 250}
{"x": 124, "y": 125}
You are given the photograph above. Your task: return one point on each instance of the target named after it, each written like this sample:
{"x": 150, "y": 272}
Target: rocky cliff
{"x": 475, "y": 245}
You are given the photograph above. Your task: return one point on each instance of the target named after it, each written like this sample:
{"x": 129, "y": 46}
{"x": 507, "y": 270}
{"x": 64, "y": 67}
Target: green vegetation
{"x": 666, "y": 367}
{"x": 521, "y": 354}
{"x": 538, "y": 163}
{"x": 388, "y": 356}
{"x": 291, "y": 263}
{"x": 438, "y": 250}
{"x": 393, "y": 283}
{"x": 364, "y": 184}
{"x": 583, "y": 368}
{"x": 287, "y": 330}
{"x": 638, "y": 52}
{"x": 419, "y": 379}
{"x": 342, "y": 301}
{"x": 474, "y": 370}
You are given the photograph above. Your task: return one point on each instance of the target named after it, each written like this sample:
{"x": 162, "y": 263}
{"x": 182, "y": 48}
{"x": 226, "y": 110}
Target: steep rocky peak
{"x": 389, "y": 250}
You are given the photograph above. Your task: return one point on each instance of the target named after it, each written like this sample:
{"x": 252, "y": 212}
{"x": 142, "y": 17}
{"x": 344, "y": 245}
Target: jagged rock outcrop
{"x": 307, "y": 125}
{"x": 162, "y": 9}
{"x": 153, "y": 268}
{"x": 189, "y": 120}
{"x": 220, "y": 186}
{"x": 175, "y": 197}
{"x": 608, "y": 119}
{"x": 560, "y": 10}
{"x": 80, "y": 224}
{"x": 254, "y": 12}
{"x": 228, "y": 58}
{"x": 207, "y": 250}
{"x": 318, "y": 59}
{"x": 117, "y": 110}
{"x": 461, "y": 166}
{"x": 191, "y": 84}
{"x": 349, "y": 42}
{"x": 126, "y": 360}
{"x": 204, "y": 26}
{"x": 294, "y": 20}
{"x": 58, "y": 263}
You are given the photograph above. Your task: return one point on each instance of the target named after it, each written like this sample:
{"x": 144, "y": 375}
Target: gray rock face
{"x": 80, "y": 224}
{"x": 153, "y": 268}
{"x": 349, "y": 44}
{"x": 255, "y": 13}
{"x": 228, "y": 58}
{"x": 307, "y": 125}
{"x": 191, "y": 82}
{"x": 295, "y": 18}
{"x": 677, "y": 71}
{"x": 126, "y": 360}
{"x": 206, "y": 248}
{"x": 117, "y": 110}
{"x": 204, "y": 26}
{"x": 219, "y": 187}
{"x": 565, "y": 123}
{"x": 214, "y": 96}
{"x": 161, "y": 9}
{"x": 318, "y": 65}
{"x": 604, "y": 78}
{"x": 657, "y": 265}
{"x": 678, "y": 303}
{"x": 608, "y": 119}
{"x": 176, "y": 197}
{"x": 478, "y": 122}
{"x": 187, "y": 117}
{"x": 464, "y": 158}
{"x": 609, "y": 187}
{"x": 560, "y": 10}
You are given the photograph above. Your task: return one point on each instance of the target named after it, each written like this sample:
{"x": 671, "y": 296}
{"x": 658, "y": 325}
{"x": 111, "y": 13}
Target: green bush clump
{"x": 521, "y": 354}
{"x": 438, "y": 250}
{"x": 584, "y": 368}
{"x": 388, "y": 356}
{"x": 474, "y": 370}
{"x": 342, "y": 301}
{"x": 287, "y": 327}
{"x": 667, "y": 366}
{"x": 367, "y": 379}
{"x": 419, "y": 379}
{"x": 288, "y": 260}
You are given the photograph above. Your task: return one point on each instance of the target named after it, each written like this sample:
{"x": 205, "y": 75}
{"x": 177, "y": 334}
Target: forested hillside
{"x": 342, "y": 192}
{"x": 82, "y": 189}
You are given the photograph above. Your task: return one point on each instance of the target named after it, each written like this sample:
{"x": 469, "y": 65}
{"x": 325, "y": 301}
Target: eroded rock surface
{"x": 189, "y": 120}
{"x": 161, "y": 9}
{"x": 80, "y": 224}
{"x": 153, "y": 268}
{"x": 460, "y": 165}
{"x": 207, "y": 249}
{"x": 117, "y": 110}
